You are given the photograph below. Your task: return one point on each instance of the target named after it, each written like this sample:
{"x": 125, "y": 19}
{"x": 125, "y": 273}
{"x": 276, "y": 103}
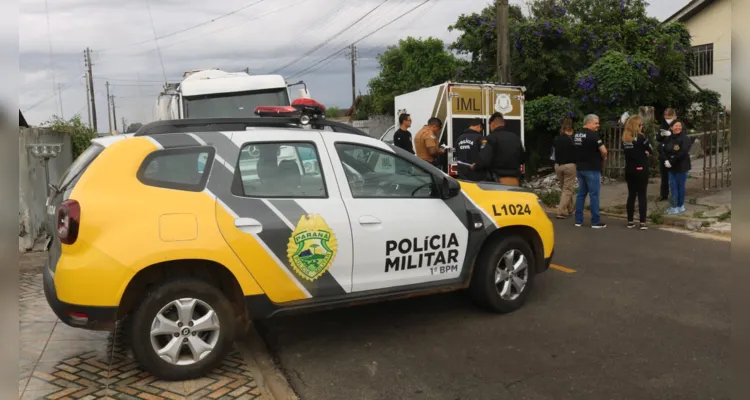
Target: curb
{"x": 270, "y": 380}
{"x": 688, "y": 224}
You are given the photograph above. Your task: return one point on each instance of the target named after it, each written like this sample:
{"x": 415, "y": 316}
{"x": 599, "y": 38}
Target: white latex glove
{"x": 667, "y": 164}
{"x": 444, "y": 146}
{"x": 665, "y": 132}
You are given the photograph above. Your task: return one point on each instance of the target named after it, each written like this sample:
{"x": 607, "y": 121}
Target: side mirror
{"x": 449, "y": 188}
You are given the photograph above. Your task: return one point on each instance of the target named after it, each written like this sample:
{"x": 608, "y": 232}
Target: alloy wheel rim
{"x": 185, "y": 331}
{"x": 511, "y": 274}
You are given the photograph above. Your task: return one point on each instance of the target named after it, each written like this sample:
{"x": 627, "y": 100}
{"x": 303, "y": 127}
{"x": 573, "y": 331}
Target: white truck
{"x": 456, "y": 104}
{"x": 213, "y": 93}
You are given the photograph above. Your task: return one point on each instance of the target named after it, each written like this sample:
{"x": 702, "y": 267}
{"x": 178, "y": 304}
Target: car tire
{"x": 487, "y": 283}
{"x": 160, "y": 311}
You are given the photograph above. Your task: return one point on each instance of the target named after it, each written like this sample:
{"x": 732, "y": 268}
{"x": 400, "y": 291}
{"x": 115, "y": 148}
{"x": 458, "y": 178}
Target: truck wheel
{"x": 503, "y": 275}
{"x": 182, "y": 329}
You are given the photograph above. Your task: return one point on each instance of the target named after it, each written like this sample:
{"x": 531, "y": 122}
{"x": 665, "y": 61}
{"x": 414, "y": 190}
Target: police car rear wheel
{"x": 504, "y": 275}
{"x": 182, "y": 329}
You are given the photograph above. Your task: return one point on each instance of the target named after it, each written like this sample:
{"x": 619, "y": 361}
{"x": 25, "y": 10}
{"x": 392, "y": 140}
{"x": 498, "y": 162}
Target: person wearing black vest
{"x": 661, "y": 138}
{"x": 590, "y": 154}
{"x": 676, "y": 152}
{"x": 502, "y": 155}
{"x": 467, "y": 152}
{"x": 565, "y": 168}
{"x": 637, "y": 149}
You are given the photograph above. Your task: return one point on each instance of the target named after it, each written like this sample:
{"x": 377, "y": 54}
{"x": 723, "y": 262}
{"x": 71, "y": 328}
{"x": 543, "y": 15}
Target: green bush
{"x": 80, "y": 134}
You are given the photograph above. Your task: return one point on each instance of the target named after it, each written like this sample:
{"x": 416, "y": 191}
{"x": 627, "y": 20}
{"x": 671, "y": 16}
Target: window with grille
{"x": 703, "y": 60}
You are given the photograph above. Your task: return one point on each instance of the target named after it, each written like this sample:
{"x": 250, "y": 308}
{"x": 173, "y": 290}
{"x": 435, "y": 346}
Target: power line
{"x": 186, "y": 29}
{"x": 46, "y": 99}
{"x": 363, "y": 27}
{"x": 125, "y": 79}
{"x": 329, "y": 39}
{"x": 202, "y": 36}
{"x": 156, "y": 40}
{"x": 360, "y": 39}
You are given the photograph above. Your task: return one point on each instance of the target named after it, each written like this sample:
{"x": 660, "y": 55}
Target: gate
{"x": 610, "y": 131}
{"x": 717, "y": 160}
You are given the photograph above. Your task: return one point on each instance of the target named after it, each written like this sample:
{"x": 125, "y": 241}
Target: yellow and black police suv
{"x": 189, "y": 228}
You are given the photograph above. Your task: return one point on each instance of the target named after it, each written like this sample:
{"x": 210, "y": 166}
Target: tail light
{"x": 523, "y": 169}
{"x": 452, "y": 169}
{"x": 68, "y": 220}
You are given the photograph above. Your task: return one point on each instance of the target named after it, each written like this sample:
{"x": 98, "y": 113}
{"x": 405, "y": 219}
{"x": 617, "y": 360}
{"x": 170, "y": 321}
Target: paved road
{"x": 645, "y": 316}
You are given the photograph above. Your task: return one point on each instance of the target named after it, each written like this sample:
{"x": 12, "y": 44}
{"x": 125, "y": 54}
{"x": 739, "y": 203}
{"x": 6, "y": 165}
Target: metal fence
{"x": 717, "y": 161}
{"x": 610, "y": 131}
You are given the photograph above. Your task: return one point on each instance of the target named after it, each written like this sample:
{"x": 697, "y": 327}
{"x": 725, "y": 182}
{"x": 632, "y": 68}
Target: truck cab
{"x": 214, "y": 93}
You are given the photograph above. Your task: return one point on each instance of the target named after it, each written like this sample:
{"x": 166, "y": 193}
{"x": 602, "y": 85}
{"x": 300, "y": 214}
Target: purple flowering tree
{"x": 606, "y": 56}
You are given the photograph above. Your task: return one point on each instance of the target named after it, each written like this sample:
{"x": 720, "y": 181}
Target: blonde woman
{"x": 637, "y": 149}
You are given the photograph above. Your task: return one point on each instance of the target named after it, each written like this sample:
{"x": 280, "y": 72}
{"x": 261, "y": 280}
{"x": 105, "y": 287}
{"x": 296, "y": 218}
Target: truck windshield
{"x": 233, "y": 105}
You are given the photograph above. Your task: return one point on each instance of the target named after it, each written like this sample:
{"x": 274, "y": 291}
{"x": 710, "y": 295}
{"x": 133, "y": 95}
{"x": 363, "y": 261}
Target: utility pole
{"x": 59, "y": 93}
{"x": 90, "y": 77}
{"x": 88, "y": 98}
{"x": 503, "y": 49}
{"x": 109, "y": 110}
{"x": 114, "y": 114}
{"x": 353, "y": 56}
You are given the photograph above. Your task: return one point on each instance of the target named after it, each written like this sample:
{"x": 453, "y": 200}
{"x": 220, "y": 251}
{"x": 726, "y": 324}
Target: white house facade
{"x": 710, "y": 25}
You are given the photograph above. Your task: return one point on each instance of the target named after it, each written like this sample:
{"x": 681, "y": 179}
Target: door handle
{"x": 248, "y": 225}
{"x": 368, "y": 220}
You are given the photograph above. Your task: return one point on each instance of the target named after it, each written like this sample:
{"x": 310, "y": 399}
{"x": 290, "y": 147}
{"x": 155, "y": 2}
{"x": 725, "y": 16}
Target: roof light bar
{"x": 306, "y": 110}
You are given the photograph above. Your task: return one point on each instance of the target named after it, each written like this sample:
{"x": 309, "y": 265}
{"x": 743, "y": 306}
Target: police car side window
{"x": 279, "y": 170}
{"x": 374, "y": 173}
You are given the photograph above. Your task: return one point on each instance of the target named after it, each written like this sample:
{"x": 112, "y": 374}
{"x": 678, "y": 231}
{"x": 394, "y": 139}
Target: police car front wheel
{"x": 182, "y": 329}
{"x": 504, "y": 274}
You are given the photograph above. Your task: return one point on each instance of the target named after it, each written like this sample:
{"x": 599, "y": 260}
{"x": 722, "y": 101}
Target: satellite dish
{"x": 624, "y": 117}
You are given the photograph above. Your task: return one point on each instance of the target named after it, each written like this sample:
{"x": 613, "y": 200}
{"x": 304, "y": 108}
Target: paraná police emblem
{"x": 312, "y": 247}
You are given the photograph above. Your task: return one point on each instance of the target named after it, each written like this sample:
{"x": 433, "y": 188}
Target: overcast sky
{"x": 263, "y": 36}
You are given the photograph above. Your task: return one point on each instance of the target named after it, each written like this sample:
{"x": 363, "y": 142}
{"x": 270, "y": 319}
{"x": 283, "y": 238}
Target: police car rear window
{"x": 178, "y": 168}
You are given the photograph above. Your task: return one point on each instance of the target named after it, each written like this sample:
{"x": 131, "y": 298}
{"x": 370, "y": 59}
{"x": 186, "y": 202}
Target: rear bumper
{"x": 85, "y": 317}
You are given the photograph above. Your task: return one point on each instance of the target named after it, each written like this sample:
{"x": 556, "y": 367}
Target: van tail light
{"x": 523, "y": 169}
{"x": 68, "y": 220}
{"x": 452, "y": 169}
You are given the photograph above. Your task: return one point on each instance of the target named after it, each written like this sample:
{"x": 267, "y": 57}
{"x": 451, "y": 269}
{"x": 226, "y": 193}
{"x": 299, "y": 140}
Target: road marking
{"x": 563, "y": 269}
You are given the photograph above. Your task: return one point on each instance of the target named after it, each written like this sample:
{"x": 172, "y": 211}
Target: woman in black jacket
{"x": 637, "y": 149}
{"x": 662, "y": 137}
{"x": 676, "y": 153}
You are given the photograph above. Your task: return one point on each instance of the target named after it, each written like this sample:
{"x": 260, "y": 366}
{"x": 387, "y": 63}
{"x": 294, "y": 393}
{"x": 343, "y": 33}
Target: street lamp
{"x": 45, "y": 152}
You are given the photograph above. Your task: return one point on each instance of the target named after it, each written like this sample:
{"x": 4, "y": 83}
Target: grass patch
{"x": 693, "y": 201}
{"x": 550, "y": 198}
{"x": 656, "y": 218}
{"x": 726, "y": 216}
{"x": 699, "y": 214}
{"x": 705, "y": 224}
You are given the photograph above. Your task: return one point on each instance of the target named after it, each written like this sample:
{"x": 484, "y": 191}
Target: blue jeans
{"x": 677, "y": 183}
{"x": 589, "y": 182}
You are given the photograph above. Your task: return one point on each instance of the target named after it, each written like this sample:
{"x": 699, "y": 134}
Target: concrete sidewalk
{"x": 60, "y": 362}
{"x": 705, "y": 210}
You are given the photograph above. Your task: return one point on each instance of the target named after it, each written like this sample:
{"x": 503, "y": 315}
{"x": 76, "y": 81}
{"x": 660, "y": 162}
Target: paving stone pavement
{"x": 60, "y": 362}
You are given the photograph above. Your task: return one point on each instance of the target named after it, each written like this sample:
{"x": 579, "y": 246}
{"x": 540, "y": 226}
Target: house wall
{"x": 32, "y": 188}
{"x": 714, "y": 25}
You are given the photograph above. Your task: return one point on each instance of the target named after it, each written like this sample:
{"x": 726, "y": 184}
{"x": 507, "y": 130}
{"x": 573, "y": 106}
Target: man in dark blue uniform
{"x": 467, "y": 152}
